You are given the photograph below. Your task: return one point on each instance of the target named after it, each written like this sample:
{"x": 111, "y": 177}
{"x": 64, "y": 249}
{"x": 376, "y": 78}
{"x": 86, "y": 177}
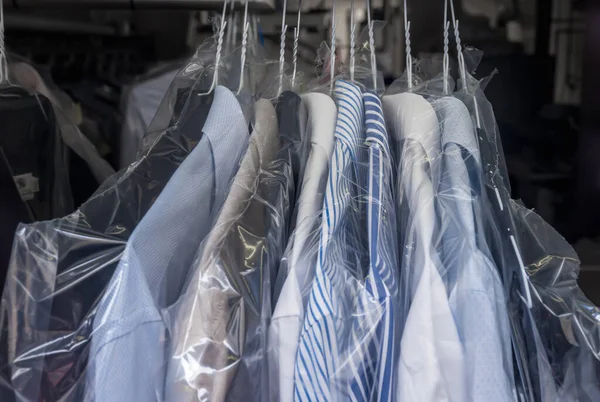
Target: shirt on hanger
{"x": 476, "y": 292}
{"x": 290, "y": 163}
{"x": 128, "y": 349}
{"x": 376, "y": 334}
{"x": 535, "y": 377}
{"x": 431, "y": 365}
{"x": 286, "y": 323}
{"x": 221, "y": 322}
{"x": 318, "y": 366}
{"x": 60, "y": 269}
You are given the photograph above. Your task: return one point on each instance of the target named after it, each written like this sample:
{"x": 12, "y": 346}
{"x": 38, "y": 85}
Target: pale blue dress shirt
{"x": 129, "y": 343}
{"x": 476, "y": 293}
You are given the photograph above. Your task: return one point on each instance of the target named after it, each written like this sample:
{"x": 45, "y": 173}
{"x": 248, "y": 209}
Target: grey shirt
{"x": 221, "y": 324}
{"x": 209, "y": 323}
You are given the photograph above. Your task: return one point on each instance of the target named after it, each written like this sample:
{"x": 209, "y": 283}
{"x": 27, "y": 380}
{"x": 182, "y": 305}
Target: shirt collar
{"x": 288, "y": 114}
{"x": 227, "y": 131}
{"x": 413, "y": 118}
{"x": 375, "y": 124}
{"x": 456, "y": 123}
{"x": 321, "y": 108}
{"x": 349, "y": 127}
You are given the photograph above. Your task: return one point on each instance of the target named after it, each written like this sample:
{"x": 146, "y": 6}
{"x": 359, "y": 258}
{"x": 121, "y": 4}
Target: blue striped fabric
{"x": 324, "y": 336}
{"x": 382, "y": 282}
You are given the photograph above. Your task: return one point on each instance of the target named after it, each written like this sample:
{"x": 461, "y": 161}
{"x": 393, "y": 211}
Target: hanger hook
{"x": 244, "y": 46}
{"x": 282, "y": 47}
{"x": 3, "y": 62}
{"x": 461, "y": 58}
{"x": 408, "y": 49}
{"x": 332, "y": 56}
{"x": 296, "y": 39}
{"x": 372, "y": 46}
{"x": 219, "y": 48}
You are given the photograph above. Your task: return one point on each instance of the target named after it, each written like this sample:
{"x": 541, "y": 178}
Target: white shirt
{"x": 431, "y": 365}
{"x": 286, "y": 323}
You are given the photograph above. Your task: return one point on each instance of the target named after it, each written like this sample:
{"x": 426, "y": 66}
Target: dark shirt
{"x": 276, "y": 197}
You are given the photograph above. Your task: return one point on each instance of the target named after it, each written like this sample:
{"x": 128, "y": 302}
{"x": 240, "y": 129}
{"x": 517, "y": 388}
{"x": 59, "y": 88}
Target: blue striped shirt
{"x": 382, "y": 282}
{"x": 348, "y": 349}
{"x": 325, "y": 333}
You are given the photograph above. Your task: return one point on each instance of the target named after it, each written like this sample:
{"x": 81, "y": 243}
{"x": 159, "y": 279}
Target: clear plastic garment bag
{"x": 288, "y": 240}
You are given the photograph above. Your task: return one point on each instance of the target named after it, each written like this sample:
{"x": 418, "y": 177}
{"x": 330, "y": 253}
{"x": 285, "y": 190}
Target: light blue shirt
{"x": 128, "y": 349}
{"x": 476, "y": 294}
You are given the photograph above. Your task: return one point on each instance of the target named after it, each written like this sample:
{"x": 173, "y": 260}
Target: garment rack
{"x": 257, "y": 5}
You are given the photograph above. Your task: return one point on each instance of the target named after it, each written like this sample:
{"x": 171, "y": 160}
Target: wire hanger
{"x": 372, "y": 45}
{"x": 244, "y": 46}
{"x": 461, "y": 62}
{"x": 409, "y": 61}
{"x": 296, "y": 39}
{"x": 446, "y": 59}
{"x": 282, "y": 47}
{"x": 219, "y": 48}
{"x": 461, "y": 58}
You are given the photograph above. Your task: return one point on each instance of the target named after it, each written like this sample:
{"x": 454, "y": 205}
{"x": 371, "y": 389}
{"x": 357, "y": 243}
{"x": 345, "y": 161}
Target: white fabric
{"x": 142, "y": 103}
{"x": 431, "y": 365}
{"x": 286, "y": 323}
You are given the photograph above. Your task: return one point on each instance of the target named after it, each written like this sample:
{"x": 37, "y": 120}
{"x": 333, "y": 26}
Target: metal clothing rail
{"x": 130, "y": 4}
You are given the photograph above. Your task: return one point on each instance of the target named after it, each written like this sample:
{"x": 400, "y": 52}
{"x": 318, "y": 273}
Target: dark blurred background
{"x": 546, "y": 93}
